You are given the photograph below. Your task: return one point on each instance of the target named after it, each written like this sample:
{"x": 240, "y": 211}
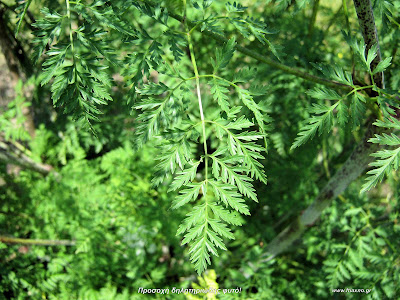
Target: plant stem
{"x": 196, "y": 72}
{"x": 197, "y": 76}
{"x": 346, "y": 16}
{"x": 11, "y": 153}
{"x": 313, "y": 17}
{"x": 13, "y": 240}
{"x": 370, "y": 34}
{"x": 71, "y": 39}
{"x": 333, "y": 19}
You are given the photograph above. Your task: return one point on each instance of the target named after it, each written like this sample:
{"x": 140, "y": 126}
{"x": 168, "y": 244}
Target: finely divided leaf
{"x": 258, "y": 111}
{"x": 196, "y": 215}
{"x": 324, "y": 94}
{"x": 152, "y": 89}
{"x": 230, "y": 171}
{"x": 343, "y": 113}
{"x": 372, "y": 53}
{"x": 336, "y": 73}
{"x": 382, "y": 65}
{"x": 229, "y": 196}
{"x": 235, "y": 7}
{"x": 239, "y": 124}
{"x": 230, "y": 217}
{"x": 249, "y": 150}
{"x": 322, "y": 123}
{"x": 387, "y": 160}
{"x": 187, "y": 195}
{"x": 220, "y": 93}
{"x": 176, "y": 42}
{"x": 224, "y": 55}
{"x": 173, "y": 154}
{"x": 357, "y": 109}
{"x": 184, "y": 177}
{"x": 24, "y": 5}
{"x": 221, "y": 229}
{"x": 152, "y": 118}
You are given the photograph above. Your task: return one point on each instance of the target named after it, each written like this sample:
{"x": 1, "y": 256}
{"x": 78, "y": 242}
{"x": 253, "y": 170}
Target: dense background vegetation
{"x": 85, "y": 204}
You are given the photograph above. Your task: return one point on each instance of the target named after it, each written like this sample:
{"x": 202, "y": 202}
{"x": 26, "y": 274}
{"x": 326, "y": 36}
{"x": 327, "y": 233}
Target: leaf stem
{"x": 197, "y": 76}
{"x": 14, "y": 240}
{"x": 313, "y": 18}
{"x": 71, "y": 39}
{"x": 246, "y": 154}
{"x": 356, "y": 89}
{"x": 15, "y": 153}
{"x": 346, "y": 15}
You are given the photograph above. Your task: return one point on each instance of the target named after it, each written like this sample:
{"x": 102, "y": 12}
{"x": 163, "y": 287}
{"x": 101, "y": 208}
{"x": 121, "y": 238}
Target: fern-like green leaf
{"x": 324, "y": 94}
{"x": 224, "y": 55}
{"x": 152, "y": 119}
{"x": 173, "y": 154}
{"x": 194, "y": 217}
{"x": 221, "y": 229}
{"x": 321, "y": 122}
{"x": 388, "y": 160}
{"x": 336, "y": 73}
{"x": 23, "y": 8}
{"x": 228, "y": 169}
{"x": 184, "y": 177}
{"x": 343, "y": 113}
{"x": 229, "y": 196}
{"x": 249, "y": 150}
{"x": 357, "y": 109}
{"x": 188, "y": 194}
{"x": 382, "y": 65}
{"x": 81, "y": 81}
{"x": 220, "y": 93}
{"x": 249, "y": 102}
{"x": 239, "y": 124}
{"x": 230, "y": 217}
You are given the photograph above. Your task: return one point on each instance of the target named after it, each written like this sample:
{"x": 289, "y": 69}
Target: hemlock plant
{"x": 210, "y": 116}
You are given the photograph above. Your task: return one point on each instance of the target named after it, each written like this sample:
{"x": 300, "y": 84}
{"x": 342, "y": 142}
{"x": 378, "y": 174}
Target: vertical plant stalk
{"x": 196, "y": 72}
{"x": 313, "y": 18}
{"x": 203, "y": 123}
{"x": 197, "y": 76}
{"x": 346, "y": 15}
{"x": 370, "y": 34}
{"x": 332, "y": 20}
{"x": 203, "y": 126}
{"x": 71, "y": 38}
{"x": 351, "y": 169}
